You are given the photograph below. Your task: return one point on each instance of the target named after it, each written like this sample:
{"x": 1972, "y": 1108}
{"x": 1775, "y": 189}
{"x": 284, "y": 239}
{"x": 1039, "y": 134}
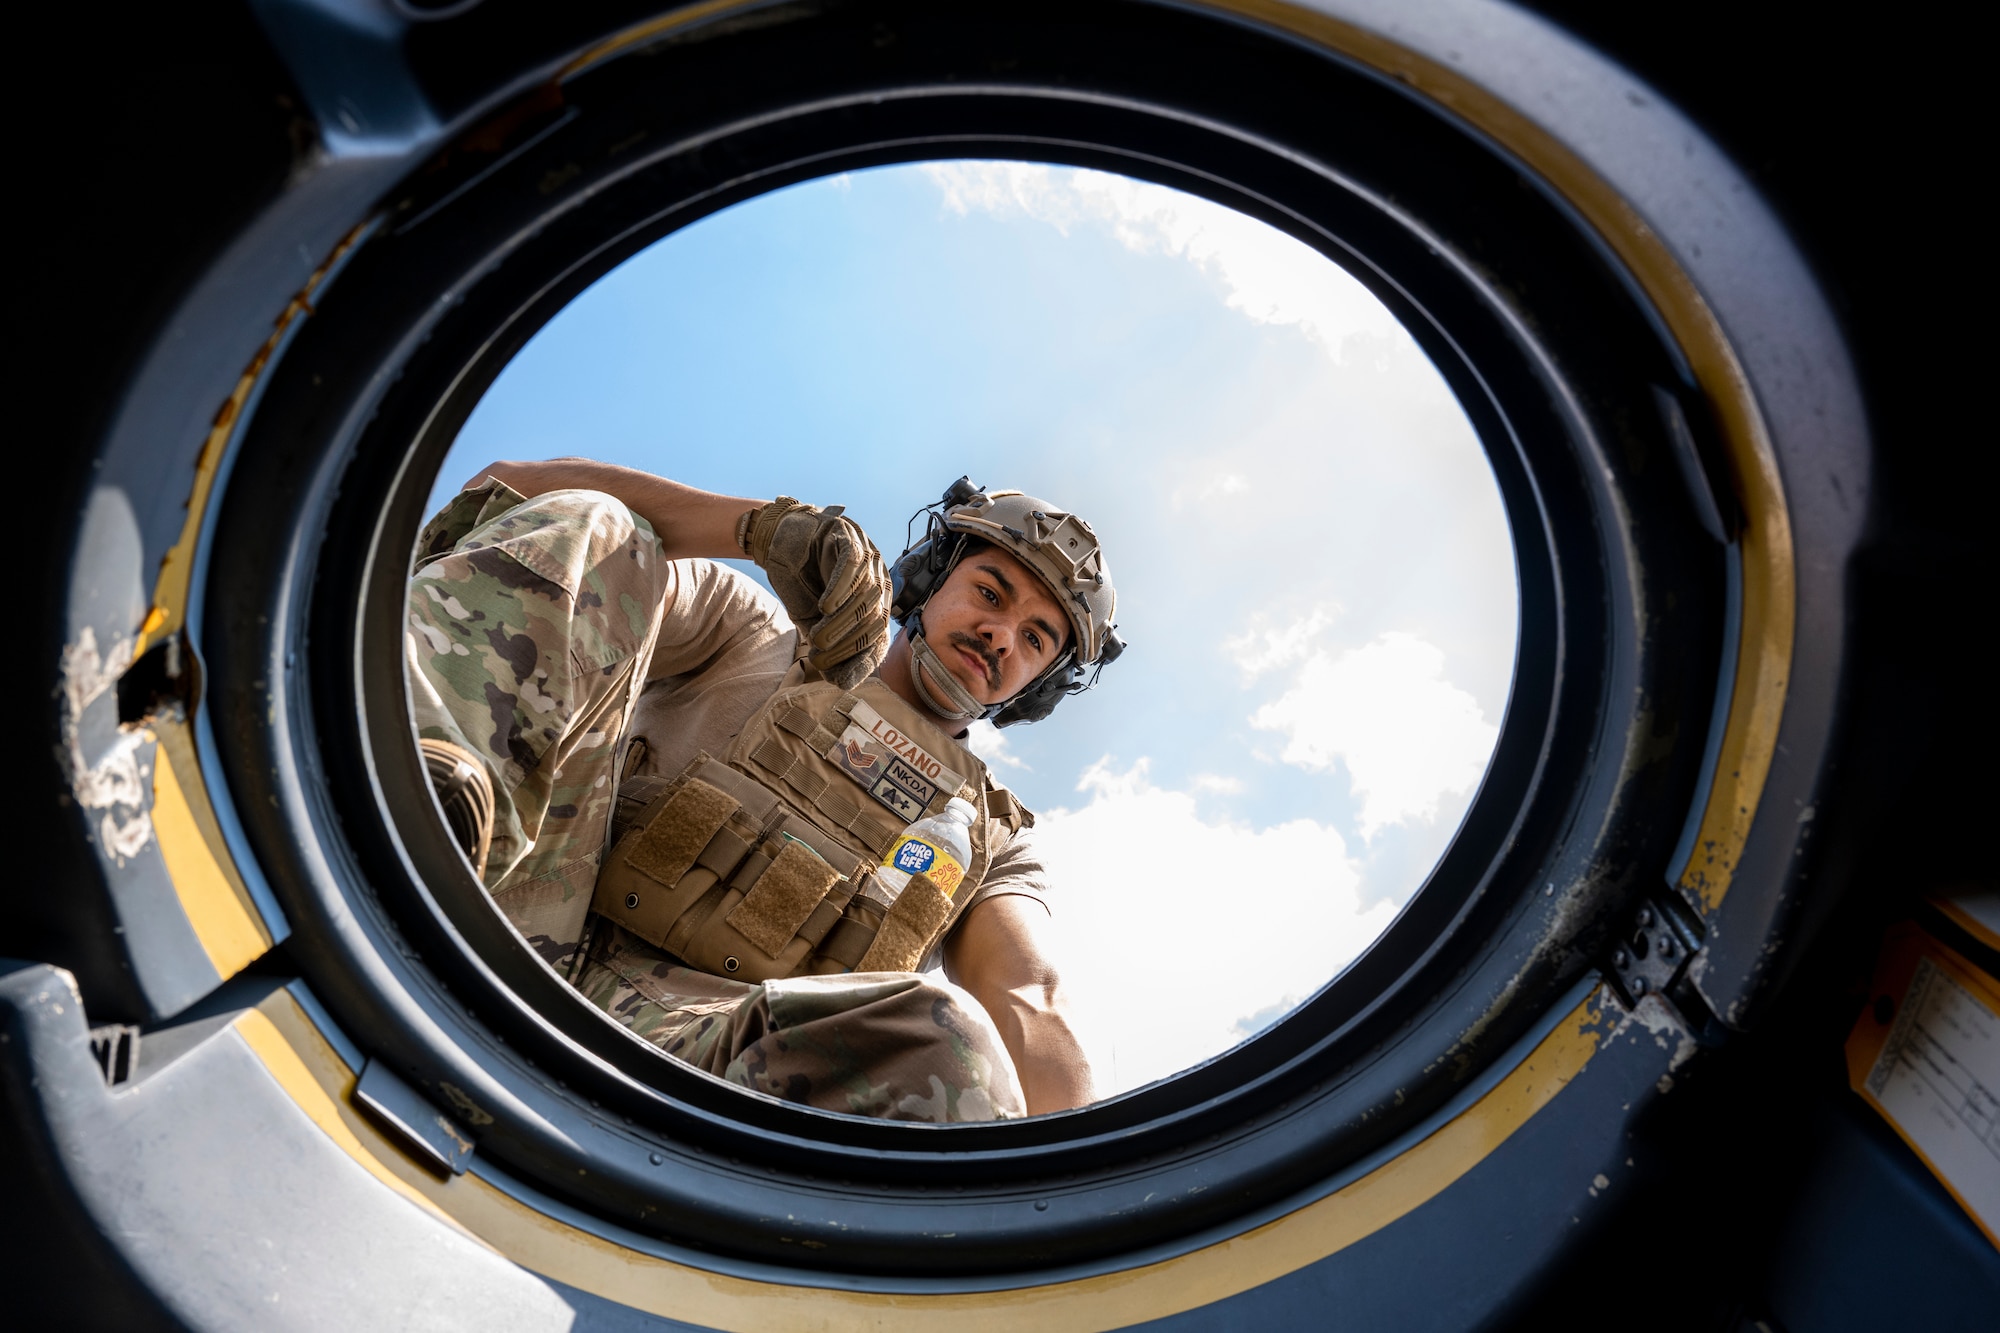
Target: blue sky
{"x": 1310, "y": 554}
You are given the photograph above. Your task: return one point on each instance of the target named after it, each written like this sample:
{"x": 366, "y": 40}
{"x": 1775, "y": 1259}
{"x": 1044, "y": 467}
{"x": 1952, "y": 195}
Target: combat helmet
{"x": 1059, "y": 548}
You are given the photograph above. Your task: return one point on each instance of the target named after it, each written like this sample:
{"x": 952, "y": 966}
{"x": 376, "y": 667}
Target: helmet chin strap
{"x": 937, "y": 687}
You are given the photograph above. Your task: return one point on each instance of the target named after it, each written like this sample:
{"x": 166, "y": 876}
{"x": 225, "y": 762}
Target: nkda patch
{"x": 895, "y": 770}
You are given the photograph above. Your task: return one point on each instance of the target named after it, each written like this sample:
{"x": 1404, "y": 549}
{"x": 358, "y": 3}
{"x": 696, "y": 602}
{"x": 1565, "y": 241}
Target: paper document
{"x": 1929, "y": 1060}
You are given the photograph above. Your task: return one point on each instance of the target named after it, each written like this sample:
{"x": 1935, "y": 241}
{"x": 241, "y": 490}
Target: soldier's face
{"x": 994, "y": 625}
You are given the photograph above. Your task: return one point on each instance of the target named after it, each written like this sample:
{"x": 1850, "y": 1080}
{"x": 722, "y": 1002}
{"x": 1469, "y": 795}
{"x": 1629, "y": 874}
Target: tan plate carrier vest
{"x": 763, "y": 866}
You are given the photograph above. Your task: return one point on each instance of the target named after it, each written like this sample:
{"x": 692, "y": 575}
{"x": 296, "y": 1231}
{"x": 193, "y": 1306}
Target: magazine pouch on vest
{"x": 762, "y": 864}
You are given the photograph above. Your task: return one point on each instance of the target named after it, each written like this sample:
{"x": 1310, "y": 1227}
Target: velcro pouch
{"x": 771, "y": 915}
{"x": 693, "y": 833}
{"x": 665, "y": 847}
{"x": 912, "y": 925}
{"x": 849, "y": 938}
{"x": 784, "y": 897}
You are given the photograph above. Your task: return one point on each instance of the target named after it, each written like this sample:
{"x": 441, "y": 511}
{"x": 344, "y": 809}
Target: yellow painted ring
{"x": 314, "y": 1074}
{"x": 308, "y": 1066}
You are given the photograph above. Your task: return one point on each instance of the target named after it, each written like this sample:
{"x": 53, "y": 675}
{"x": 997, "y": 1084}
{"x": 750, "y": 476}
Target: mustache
{"x": 960, "y": 639}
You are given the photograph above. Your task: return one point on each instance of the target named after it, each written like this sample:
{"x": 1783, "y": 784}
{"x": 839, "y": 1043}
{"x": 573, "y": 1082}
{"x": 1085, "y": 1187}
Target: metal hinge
{"x": 1651, "y": 956}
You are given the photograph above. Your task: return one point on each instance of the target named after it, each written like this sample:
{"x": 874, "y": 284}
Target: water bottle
{"x": 939, "y": 846}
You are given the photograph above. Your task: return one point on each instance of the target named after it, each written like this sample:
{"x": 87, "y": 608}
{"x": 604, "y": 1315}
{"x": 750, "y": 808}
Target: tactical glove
{"x": 832, "y": 582}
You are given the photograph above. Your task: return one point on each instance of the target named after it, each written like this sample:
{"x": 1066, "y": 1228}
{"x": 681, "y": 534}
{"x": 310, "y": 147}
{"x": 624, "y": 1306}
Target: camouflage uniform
{"x": 531, "y": 631}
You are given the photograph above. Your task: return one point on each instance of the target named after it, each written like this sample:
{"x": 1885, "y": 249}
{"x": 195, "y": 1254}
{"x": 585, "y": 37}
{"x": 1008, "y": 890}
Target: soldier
{"x": 682, "y": 801}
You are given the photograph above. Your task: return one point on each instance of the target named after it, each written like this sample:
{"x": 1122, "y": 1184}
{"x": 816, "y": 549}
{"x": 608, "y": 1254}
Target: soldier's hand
{"x": 832, "y": 581}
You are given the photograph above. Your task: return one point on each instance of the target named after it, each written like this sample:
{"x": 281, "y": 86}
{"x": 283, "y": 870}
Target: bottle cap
{"x": 961, "y": 807}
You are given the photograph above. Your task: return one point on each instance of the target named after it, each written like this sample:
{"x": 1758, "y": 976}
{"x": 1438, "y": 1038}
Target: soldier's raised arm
{"x": 688, "y": 522}
{"x": 822, "y": 566}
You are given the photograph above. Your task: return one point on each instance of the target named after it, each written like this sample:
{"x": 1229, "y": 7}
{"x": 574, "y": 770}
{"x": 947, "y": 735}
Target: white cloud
{"x": 1220, "y": 484}
{"x": 1407, "y": 735}
{"x": 1180, "y": 936}
{"x": 1267, "y": 275}
{"x": 990, "y": 743}
{"x": 1218, "y": 783}
{"x": 1260, "y": 648}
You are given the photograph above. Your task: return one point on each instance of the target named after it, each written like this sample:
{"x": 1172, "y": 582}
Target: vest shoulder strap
{"x": 1005, "y": 806}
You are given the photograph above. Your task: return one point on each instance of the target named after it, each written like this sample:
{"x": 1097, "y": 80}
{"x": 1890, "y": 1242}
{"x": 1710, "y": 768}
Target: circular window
{"x": 1308, "y": 544}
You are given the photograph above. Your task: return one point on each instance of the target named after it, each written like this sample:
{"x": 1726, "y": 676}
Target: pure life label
{"x": 917, "y": 856}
